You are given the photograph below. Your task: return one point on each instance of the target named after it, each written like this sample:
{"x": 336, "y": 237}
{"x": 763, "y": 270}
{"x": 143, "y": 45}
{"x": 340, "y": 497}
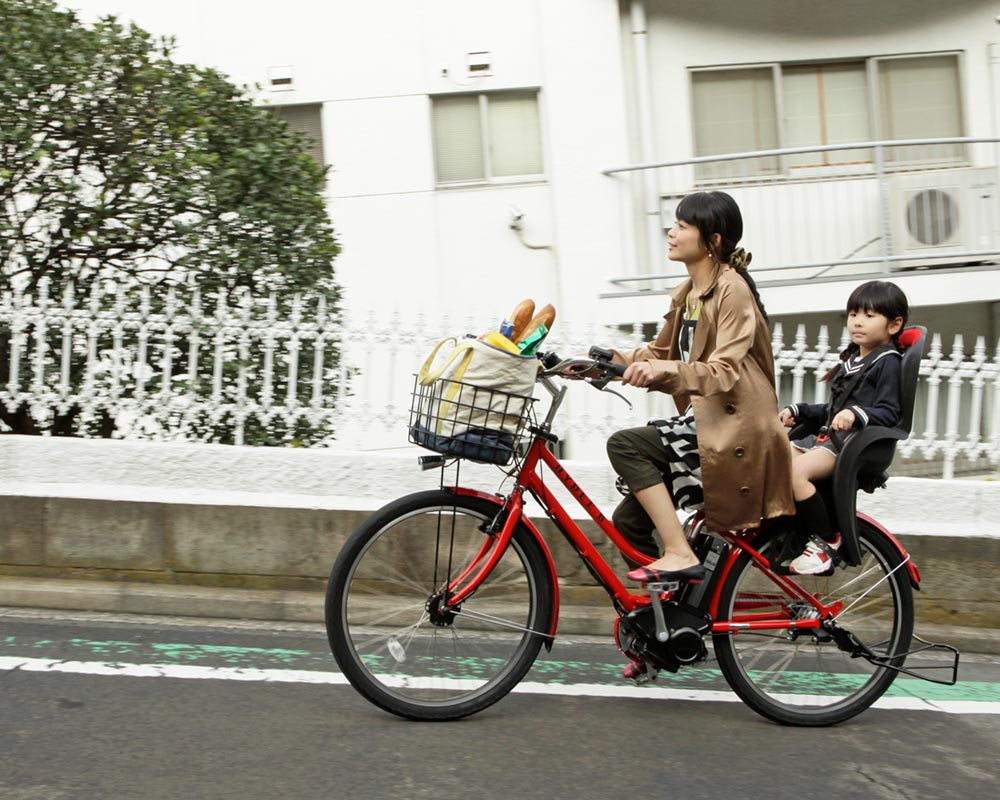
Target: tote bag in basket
{"x": 474, "y": 402}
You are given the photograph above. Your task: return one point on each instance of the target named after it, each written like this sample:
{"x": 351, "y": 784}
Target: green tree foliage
{"x": 119, "y": 166}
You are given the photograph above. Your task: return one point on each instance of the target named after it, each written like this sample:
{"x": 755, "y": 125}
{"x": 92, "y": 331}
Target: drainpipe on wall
{"x": 652, "y": 222}
{"x": 994, "y": 59}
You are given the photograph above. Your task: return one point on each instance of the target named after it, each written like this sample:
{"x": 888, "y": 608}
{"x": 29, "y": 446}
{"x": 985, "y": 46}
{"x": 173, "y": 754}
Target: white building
{"x": 444, "y": 121}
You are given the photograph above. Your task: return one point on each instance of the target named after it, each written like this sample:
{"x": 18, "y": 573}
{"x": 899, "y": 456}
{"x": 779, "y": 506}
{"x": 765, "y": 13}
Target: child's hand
{"x": 786, "y": 418}
{"x": 844, "y": 420}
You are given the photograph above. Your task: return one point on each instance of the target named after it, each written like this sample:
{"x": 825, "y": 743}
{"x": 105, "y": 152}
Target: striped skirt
{"x": 683, "y": 478}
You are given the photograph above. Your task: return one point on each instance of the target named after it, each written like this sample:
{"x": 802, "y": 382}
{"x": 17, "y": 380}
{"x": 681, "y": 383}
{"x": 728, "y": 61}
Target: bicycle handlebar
{"x": 578, "y": 367}
{"x": 604, "y": 361}
{"x": 581, "y": 368}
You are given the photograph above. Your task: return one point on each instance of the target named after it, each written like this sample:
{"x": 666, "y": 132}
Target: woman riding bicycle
{"x": 440, "y": 601}
{"x": 726, "y": 450}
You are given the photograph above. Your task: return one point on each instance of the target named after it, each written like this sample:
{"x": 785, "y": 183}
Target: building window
{"x": 305, "y": 119}
{"x": 826, "y": 104}
{"x": 482, "y": 138}
{"x": 805, "y": 105}
{"x": 735, "y": 112}
{"x": 921, "y": 99}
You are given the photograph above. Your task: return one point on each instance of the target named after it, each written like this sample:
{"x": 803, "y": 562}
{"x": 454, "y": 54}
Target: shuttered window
{"x": 734, "y": 112}
{"x": 802, "y": 105}
{"x": 920, "y": 98}
{"x": 487, "y": 137}
{"x": 826, "y": 104}
{"x": 458, "y": 139}
{"x": 308, "y": 120}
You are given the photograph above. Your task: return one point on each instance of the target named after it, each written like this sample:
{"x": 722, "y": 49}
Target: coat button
{"x": 730, "y": 408}
{"x": 744, "y": 490}
{"x": 739, "y": 452}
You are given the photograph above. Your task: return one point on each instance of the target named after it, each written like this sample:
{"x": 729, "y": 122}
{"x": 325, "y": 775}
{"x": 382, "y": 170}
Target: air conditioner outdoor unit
{"x": 944, "y": 217}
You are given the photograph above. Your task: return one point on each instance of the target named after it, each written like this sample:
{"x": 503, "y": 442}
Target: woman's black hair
{"x": 717, "y": 213}
{"x": 879, "y": 297}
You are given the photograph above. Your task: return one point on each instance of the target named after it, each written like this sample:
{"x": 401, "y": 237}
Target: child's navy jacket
{"x": 875, "y": 400}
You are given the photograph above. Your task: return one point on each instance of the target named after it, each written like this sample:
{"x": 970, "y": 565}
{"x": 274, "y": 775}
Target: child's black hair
{"x": 717, "y": 213}
{"x": 879, "y": 297}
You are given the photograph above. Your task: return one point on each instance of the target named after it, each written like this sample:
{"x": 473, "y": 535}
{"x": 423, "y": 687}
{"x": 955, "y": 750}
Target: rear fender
{"x": 911, "y": 567}
{"x": 526, "y": 521}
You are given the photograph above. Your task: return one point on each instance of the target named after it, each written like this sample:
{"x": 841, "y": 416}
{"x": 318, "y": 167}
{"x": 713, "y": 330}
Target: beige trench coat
{"x": 729, "y": 381}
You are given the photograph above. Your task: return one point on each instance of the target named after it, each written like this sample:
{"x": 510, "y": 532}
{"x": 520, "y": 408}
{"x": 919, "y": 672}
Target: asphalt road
{"x": 95, "y": 706}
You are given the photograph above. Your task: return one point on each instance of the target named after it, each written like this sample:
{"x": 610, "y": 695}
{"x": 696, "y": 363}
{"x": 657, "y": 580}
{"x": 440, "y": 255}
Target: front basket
{"x": 467, "y": 421}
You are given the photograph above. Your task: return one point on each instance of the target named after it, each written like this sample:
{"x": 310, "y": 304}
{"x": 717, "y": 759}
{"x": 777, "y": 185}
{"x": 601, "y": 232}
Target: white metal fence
{"x": 178, "y": 370}
{"x": 139, "y": 364}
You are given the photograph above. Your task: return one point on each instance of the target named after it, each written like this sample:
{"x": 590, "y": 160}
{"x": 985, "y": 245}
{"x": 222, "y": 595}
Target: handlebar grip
{"x": 604, "y": 359}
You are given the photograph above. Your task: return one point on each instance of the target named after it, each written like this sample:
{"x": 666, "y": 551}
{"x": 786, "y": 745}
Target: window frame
{"x": 787, "y": 172}
{"x": 489, "y": 179}
{"x": 317, "y": 148}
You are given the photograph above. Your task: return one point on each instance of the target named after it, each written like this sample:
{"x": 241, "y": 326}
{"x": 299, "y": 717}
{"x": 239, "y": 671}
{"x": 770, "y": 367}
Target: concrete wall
{"x": 124, "y": 542}
{"x": 174, "y": 528}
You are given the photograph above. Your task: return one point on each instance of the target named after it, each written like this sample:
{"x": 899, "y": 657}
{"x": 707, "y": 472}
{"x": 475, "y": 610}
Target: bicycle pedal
{"x": 641, "y": 674}
{"x": 654, "y": 589}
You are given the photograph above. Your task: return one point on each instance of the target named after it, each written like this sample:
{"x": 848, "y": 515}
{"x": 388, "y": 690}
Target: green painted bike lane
{"x": 595, "y": 669}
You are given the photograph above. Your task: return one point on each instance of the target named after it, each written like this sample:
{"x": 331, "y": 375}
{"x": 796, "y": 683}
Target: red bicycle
{"x": 438, "y": 604}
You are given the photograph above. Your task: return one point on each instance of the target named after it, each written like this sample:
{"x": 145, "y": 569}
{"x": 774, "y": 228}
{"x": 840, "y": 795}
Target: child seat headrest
{"x": 909, "y": 337}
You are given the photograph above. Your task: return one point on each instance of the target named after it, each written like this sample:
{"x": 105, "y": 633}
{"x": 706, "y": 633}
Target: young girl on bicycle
{"x": 865, "y": 391}
{"x": 726, "y": 450}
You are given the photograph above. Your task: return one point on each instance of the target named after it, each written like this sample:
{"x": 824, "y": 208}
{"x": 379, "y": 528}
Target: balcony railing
{"x": 848, "y": 210}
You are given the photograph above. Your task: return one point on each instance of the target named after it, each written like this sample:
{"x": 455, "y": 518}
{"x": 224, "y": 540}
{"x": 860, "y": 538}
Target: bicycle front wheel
{"x": 803, "y": 677}
{"x": 392, "y": 633}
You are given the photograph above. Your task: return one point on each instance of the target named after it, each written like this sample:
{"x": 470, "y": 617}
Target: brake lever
{"x": 601, "y": 384}
{"x": 619, "y": 394}
{"x": 609, "y": 371}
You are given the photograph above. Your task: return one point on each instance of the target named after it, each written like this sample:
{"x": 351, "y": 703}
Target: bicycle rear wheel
{"x": 389, "y": 630}
{"x": 803, "y": 677}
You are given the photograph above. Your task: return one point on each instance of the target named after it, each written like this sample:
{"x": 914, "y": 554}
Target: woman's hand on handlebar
{"x": 638, "y": 373}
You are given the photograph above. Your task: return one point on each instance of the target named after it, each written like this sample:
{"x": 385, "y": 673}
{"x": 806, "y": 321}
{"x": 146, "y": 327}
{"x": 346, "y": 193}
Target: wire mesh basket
{"x": 467, "y": 421}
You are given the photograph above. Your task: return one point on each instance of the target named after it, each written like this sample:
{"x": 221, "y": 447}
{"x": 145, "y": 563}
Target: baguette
{"x": 544, "y": 317}
{"x": 520, "y": 317}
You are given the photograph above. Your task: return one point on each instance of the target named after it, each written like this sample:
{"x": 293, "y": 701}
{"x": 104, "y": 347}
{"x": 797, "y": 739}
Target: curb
{"x": 301, "y": 606}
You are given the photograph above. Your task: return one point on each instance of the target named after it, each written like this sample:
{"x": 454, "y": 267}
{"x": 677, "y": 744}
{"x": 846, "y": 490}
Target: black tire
{"x": 803, "y": 678}
{"x": 385, "y": 631}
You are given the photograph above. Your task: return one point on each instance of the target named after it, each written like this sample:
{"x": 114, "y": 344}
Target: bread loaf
{"x": 520, "y": 317}
{"x": 544, "y": 317}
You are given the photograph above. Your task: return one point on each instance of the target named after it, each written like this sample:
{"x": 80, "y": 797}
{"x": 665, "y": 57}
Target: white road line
{"x": 185, "y": 672}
